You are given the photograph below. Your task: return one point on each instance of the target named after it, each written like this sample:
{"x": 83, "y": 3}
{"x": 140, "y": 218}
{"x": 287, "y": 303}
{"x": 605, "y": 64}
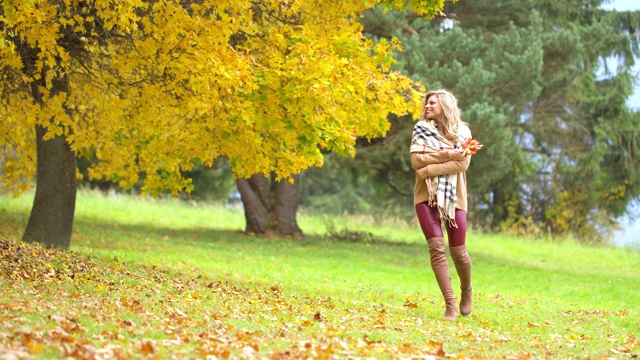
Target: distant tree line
{"x": 131, "y": 95}
{"x": 534, "y": 83}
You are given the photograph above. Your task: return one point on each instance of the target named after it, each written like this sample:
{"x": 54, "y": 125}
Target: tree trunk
{"x": 498, "y": 207}
{"x": 270, "y": 206}
{"x": 51, "y": 219}
{"x": 286, "y": 206}
{"x": 254, "y": 193}
{"x": 506, "y": 203}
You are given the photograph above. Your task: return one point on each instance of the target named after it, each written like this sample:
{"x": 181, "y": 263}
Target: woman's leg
{"x": 461, "y": 259}
{"x": 458, "y": 236}
{"x": 429, "y": 219}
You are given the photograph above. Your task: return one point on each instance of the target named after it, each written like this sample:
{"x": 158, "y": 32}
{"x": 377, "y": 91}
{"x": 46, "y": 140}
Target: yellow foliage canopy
{"x": 156, "y": 87}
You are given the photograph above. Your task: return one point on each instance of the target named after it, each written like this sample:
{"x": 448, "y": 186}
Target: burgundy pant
{"x": 431, "y": 224}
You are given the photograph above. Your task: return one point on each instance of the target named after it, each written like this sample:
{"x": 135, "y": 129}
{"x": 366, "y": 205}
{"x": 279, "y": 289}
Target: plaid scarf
{"x": 442, "y": 189}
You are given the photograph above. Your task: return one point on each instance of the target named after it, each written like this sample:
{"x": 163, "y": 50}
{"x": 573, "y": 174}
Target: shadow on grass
{"x": 217, "y": 232}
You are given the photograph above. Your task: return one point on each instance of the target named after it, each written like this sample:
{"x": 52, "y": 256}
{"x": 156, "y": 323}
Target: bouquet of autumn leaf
{"x": 470, "y": 146}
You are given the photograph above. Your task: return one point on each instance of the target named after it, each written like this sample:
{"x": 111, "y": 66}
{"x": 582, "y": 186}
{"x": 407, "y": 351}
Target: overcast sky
{"x": 623, "y": 5}
{"x": 626, "y": 5}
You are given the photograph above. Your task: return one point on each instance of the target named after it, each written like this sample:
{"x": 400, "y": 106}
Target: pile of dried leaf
{"x": 61, "y": 304}
{"x": 24, "y": 261}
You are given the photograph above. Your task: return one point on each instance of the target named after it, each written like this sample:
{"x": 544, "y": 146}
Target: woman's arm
{"x": 420, "y": 160}
{"x": 447, "y": 168}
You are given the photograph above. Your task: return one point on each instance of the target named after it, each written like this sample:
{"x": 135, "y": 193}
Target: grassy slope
{"x": 533, "y": 298}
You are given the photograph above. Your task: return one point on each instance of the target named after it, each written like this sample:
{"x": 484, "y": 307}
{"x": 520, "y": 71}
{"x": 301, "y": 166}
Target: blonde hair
{"x": 450, "y": 111}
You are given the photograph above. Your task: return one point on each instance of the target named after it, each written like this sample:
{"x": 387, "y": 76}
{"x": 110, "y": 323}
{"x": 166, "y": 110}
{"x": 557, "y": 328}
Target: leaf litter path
{"x": 61, "y": 304}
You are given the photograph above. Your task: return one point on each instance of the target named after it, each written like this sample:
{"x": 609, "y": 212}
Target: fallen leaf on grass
{"x": 13, "y": 354}
{"x": 147, "y": 347}
{"x": 409, "y": 303}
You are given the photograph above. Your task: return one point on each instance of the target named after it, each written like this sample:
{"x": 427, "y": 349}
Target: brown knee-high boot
{"x": 462, "y": 261}
{"x": 440, "y": 266}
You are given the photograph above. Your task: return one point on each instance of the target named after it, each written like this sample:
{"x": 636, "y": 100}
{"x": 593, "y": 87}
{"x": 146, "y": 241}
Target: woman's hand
{"x": 457, "y": 154}
{"x": 422, "y": 173}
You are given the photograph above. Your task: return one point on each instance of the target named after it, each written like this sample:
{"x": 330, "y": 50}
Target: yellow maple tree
{"x": 157, "y": 85}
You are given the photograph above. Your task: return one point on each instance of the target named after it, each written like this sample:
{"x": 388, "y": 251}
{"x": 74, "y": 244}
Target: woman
{"x": 441, "y": 192}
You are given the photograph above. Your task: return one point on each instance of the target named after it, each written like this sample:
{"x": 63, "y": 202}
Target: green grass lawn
{"x": 169, "y": 279}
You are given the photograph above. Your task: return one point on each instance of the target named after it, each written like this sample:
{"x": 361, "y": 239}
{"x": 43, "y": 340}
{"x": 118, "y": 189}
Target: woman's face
{"x": 433, "y": 109}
